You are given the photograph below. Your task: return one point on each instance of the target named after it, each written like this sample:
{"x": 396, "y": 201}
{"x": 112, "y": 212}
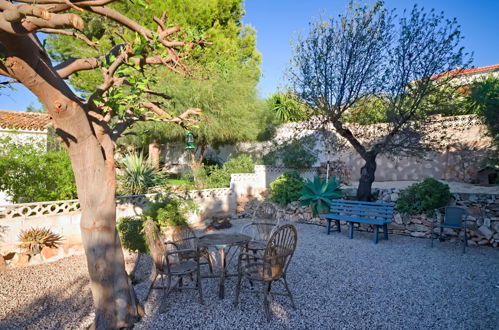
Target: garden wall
{"x": 483, "y": 229}
{"x": 63, "y": 217}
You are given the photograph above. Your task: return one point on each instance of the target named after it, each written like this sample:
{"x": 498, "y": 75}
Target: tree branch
{"x": 71, "y": 34}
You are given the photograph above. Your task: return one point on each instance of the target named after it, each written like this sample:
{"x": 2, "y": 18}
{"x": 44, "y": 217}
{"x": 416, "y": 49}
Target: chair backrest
{"x": 453, "y": 215}
{"x": 184, "y": 237}
{"x": 260, "y": 230}
{"x": 265, "y": 212}
{"x": 155, "y": 245}
{"x": 279, "y": 250}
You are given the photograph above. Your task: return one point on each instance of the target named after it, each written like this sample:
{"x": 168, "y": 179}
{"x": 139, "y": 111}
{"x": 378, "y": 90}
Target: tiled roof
{"x": 24, "y": 120}
{"x": 464, "y": 72}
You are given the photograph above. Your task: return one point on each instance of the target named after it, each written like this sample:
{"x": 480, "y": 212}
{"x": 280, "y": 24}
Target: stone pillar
{"x": 154, "y": 154}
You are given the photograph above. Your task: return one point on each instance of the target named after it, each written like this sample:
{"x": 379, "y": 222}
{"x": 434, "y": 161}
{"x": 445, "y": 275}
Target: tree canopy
{"x": 368, "y": 54}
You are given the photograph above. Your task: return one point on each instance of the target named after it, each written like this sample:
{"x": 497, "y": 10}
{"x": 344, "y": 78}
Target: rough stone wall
{"x": 483, "y": 227}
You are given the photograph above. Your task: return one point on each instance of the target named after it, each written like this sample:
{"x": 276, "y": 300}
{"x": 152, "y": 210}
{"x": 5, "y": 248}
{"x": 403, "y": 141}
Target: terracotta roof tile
{"x": 24, "y": 120}
{"x": 464, "y": 72}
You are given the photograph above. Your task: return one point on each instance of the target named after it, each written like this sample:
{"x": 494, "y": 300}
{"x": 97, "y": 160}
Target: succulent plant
{"x": 33, "y": 240}
{"x": 319, "y": 192}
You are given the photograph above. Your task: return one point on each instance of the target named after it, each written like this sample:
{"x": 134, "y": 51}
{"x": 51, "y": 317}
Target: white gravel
{"x": 336, "y": 282}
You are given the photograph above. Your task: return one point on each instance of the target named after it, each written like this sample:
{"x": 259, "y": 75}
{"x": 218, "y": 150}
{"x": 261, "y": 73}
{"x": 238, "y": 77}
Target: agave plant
{"x": 138, "y": 174}
{"x": 318, "y": 194}
{"x": 34, "y": 240}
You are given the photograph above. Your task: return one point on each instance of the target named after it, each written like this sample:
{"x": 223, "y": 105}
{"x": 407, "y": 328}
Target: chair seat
{"x": 183, "y": 267}
{"x": 255, "y": 271}
{"x": 443, "y": 225}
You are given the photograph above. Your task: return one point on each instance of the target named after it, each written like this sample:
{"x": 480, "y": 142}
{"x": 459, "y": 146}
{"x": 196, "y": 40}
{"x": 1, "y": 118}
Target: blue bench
{"x": 377, "y": 214}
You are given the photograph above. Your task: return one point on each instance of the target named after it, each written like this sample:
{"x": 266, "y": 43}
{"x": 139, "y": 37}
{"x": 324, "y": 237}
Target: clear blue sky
{"x": 278, "y": 21}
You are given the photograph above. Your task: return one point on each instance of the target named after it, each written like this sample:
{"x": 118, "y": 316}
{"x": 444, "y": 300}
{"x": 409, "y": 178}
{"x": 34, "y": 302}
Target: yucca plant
{"x": 318, "y": 194}
{"x": 138, "y": 175}
{"x": 33, "y": 240}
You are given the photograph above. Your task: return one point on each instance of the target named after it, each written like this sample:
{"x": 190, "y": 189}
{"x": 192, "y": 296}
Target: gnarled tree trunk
{"x": 91, "y": 152}
{"x": 367, "y": 177}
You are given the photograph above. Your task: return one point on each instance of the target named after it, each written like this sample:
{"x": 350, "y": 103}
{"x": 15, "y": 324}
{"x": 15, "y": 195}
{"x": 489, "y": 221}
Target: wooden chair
{"x": 269, "y": 267}
{"x": 262, "y": 224}
{"x": 185, "y": 239}
{"x": 168, "y": 261}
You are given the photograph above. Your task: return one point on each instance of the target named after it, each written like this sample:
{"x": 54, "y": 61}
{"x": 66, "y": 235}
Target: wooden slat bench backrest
{"x": 363, "y": 209}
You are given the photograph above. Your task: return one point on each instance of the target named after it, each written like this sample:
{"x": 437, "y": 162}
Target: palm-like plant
{"x": 318, "y": 194}
{"x": 138, "y": 175}
{"x": 34, "y": 240}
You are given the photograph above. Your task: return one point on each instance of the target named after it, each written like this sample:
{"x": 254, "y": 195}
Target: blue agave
{"x": 318, "y": 194}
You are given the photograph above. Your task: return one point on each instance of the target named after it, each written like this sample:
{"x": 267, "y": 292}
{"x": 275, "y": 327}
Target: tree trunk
{"x": 91, "y": 153}
{"x": 154, "y": 154}
{"x": 366, "y": 177}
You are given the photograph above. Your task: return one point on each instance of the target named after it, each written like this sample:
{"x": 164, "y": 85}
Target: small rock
{"x": 397, "y": 218}
{"x": 21, "y": 259}
{"x": 471, "y": 243}
{"x": 48, "y": 253}
{"x": 485, "y": 231}
{"x": 394, "y": 197}
{"x": 483, "y": 242}
{"x": 417, "y": 234}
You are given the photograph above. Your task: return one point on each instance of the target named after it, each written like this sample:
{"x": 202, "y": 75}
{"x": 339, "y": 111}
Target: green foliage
{"x": 131, "y": 234}
{"x": 34, "y": 240}
{"x": 286, "y": 188}
{"x": 215, "y": 176}
{"x": 423, "y": 197}
{"x": 318, "y": 194}
{"x": 484, "y": 98}
{"x": 288, "y": 108}
{"x": 29, "y": 174}
{"x": 170, "y": 211}
{"x": 297, "y": 154}
{"x": 138, "y": 175}
{"x": 369, "y": 110}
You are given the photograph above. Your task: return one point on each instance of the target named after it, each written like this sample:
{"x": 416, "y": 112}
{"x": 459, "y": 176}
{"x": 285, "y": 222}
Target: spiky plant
{"x": 318, "y": 194}
{"x": 138, "y": 174}
{"x": 33, "y": 240}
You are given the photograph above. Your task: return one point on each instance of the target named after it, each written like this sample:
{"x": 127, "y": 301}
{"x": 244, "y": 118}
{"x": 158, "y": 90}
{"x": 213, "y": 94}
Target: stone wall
{"x": 483, "y": 225}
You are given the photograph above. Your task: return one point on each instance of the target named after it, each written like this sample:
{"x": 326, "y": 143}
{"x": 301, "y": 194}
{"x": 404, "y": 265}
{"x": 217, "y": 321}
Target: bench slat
{"x": 343, "y": 201}
{"x": 362, "y": 211}
{"x": 356, "y": 219}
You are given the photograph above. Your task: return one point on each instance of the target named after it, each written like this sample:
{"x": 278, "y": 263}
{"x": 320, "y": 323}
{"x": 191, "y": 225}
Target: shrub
{"x": 215, "y": 176}
{"x": 169, "y": 212}
{"x": 131, "y": 235}
{"x": 423, "y": 197}
{"x": 296, "y": 154}
{"x": 318, "y": 194}
{"x": 30, "y": 174}
{"x": 138, "y": 175}
{"x": 34, "y": 240}
{"x": 286, "y": 188}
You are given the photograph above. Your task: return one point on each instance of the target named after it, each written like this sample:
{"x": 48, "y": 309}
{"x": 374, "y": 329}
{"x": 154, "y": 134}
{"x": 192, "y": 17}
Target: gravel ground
{"x": 336, "y": 282}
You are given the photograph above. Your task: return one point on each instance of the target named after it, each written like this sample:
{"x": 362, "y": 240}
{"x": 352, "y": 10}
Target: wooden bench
{"x": 377, "y": 214}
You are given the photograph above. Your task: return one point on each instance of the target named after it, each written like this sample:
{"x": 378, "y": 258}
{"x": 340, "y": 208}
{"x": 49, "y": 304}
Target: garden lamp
{"x": 189, "y": 140}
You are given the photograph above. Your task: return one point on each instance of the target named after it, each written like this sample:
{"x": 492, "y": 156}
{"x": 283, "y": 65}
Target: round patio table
{"x": 222, "y": 241}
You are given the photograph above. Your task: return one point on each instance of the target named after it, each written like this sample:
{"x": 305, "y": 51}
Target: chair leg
{"x": 166, "y": 292}
{"x": 328, "y": 226}
{"x": 198, "y": 284}
{"x": 376, "y": 233}
{"x": 350, "y": 230}
{"x": 266, "y": 303}
{"x": 289, "y": 292}
{"x": 338, "y": 226}
{"x": 385, "y": 231}
{"x": 431, "y": 234}
{"x": 465, "y": 242}
{"x": 154, "y": 277}
{"x": 238, "y": 289}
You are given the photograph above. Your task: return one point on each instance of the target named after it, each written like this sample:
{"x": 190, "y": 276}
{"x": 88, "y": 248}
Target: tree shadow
{"x": 67, "y": 307}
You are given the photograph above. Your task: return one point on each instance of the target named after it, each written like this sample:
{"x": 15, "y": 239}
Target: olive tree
{"x": 90, "y": 126}
{"x": 369, "y": 53}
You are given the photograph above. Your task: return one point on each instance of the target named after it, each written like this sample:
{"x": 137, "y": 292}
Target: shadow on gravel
{"x": 62, "y": 309}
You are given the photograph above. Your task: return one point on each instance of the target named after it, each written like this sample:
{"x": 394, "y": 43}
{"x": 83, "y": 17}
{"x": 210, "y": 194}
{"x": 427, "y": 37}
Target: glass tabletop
{"x": 223, "y": 239}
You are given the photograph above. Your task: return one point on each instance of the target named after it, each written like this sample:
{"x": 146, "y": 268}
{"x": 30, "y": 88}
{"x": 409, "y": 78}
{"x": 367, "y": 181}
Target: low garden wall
{"x": 484, "y": 210}
{"x": 63, "y": 218}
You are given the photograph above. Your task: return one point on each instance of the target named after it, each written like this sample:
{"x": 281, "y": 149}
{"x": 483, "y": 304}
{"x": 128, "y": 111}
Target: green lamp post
{"x": 189, "y": 140}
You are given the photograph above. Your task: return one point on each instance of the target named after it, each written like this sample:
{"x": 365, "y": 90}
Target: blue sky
{"x": 278, "y": 21}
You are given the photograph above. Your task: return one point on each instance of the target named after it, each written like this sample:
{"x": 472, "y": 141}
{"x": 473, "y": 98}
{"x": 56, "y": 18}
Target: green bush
{"x": 30, "y": 174}
{"x": 423, "y": 197}
{"x": 131, "y": 235}
{"x": 169, "y": 212}
{"x": 296, "y": 154}
{"x": 215, "y": 176}
{"x": 286, "y": 188}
